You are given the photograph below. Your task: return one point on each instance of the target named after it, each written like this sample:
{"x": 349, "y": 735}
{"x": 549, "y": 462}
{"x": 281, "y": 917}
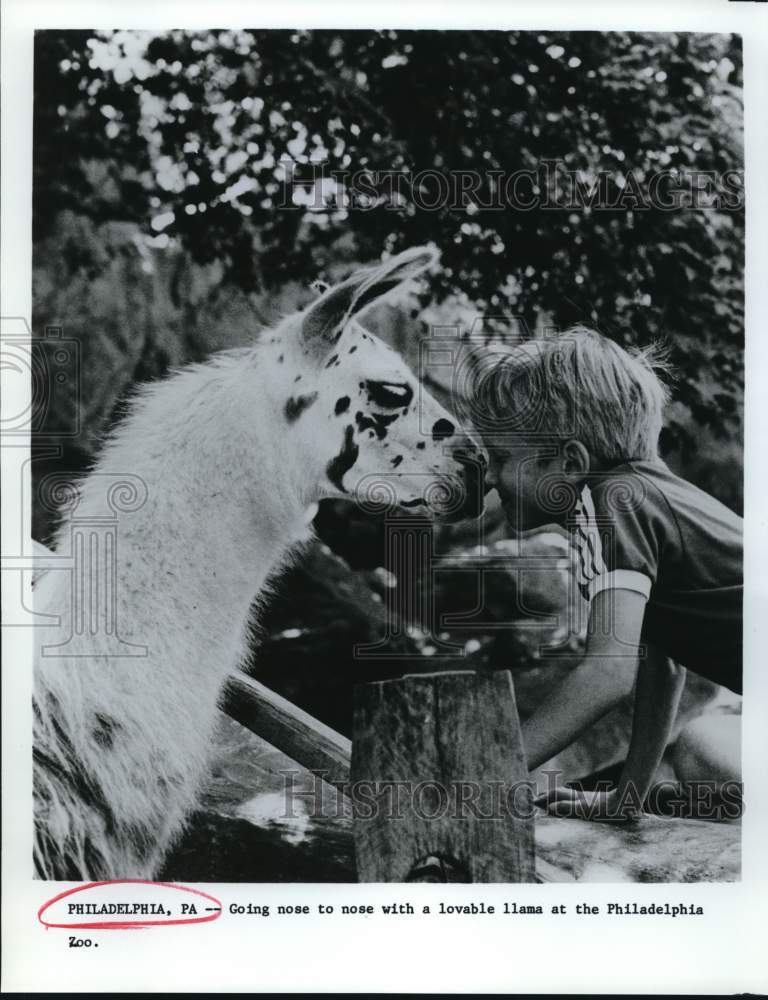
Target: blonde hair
{"x": 581, "y": 385}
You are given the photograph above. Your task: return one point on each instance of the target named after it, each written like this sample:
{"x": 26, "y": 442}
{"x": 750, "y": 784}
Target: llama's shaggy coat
{"x": 232, "y": 457}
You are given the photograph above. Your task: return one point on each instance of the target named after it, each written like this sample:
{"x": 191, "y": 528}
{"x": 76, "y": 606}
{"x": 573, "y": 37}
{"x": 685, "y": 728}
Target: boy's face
{"x": 526, "y": 479}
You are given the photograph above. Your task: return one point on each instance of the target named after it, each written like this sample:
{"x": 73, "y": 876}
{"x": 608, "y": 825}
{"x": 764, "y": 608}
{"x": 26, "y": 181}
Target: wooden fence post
{"x": 440, "y": 780}
{"x": 657, "y": 849}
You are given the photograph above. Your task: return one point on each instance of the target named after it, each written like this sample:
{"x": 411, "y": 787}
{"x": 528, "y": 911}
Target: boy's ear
{"x": 323, "y": 322}
{"x": 576, "y": 459}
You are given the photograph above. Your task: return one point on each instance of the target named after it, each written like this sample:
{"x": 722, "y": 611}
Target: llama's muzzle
{"x": 473, "y": 486}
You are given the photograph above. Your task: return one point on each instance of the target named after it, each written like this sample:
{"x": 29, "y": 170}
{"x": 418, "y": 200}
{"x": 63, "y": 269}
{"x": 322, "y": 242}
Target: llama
{"x": 234, "y": 455}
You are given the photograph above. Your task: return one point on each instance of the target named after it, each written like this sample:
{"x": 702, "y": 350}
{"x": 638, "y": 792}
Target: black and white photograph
{"x": 382, "y": 472}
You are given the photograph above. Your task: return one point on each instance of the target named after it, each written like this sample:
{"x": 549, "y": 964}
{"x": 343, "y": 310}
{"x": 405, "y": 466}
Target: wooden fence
{"x": 439, "y": 736}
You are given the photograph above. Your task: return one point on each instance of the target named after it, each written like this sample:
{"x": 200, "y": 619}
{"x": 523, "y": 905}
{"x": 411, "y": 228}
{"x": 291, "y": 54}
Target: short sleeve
{"x": 616, "y": 536}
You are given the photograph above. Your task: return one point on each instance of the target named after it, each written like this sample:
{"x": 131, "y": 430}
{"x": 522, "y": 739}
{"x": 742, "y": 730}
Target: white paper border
{"x": 722, "y": 952}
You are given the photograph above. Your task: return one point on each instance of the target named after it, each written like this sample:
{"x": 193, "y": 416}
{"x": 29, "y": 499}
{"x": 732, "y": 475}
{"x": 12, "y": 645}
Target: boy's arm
{"x": 660, "y": 684}
{"x": 604, "y": 676}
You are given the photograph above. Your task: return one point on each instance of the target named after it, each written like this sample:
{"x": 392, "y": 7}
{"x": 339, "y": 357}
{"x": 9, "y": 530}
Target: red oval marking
{"x": 132, "y": 924}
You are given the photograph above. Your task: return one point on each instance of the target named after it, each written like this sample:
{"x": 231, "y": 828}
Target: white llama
{"x": 233, "y": 456}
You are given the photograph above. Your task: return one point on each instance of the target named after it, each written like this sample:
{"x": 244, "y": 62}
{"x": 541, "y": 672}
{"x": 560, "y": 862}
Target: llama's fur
{"x": 234, "y": 454}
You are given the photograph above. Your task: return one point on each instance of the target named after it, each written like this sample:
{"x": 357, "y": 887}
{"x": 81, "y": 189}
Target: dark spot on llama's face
{"x": 396, "y": 461}
{"x": 421, "y": 445}
{"x": 280, "y": 359}
{"x": 389, "y": 395}
{"x": 377, "y": 423}
{"x": 333, "y": 360}
{"x": 343, "y": 462}
{"x": 296, "y": 405}
{"x": 297, "y": 379}
{"x": 342, "y": 405}
{"x": 442, "y": 429}
{"x": 352, "y": 349}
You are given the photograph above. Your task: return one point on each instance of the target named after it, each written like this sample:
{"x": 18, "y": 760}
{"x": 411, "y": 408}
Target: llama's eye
{"x": 389, "y": 394}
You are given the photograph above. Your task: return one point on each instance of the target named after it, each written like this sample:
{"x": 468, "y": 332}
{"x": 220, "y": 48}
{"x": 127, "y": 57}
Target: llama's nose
{"x": 473, "y": 463}
{"x": 474, "y": 459}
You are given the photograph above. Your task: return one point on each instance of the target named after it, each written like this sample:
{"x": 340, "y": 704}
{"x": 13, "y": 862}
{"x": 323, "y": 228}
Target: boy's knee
{"x": 709, "y": 749}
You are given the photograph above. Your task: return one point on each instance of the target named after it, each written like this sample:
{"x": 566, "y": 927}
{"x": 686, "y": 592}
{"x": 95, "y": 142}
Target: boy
{"x": 576, "y": 422}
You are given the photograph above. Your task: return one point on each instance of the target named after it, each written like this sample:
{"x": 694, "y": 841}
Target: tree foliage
{"x": 188, "y": 135}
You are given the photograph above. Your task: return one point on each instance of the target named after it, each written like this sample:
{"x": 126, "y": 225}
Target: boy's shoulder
{"x": 645, "y": 483}
{"x": 656, "y": 523}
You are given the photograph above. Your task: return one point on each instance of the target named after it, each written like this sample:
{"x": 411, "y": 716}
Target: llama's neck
{"x": 225, "y": 500}
{"x": 223, "y": 505}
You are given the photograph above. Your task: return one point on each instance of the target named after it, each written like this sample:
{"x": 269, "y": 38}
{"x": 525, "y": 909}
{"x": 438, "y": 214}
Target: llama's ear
{"x": 323, "y": 322}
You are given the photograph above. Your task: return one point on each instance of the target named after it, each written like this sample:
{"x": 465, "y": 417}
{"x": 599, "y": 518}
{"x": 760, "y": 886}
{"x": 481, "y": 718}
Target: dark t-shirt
{"x": 640, "y": 527}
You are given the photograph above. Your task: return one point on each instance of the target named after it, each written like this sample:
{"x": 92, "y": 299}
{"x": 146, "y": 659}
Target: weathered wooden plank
{"x": 443, "y": 755}
{"x": 655, "y": 849}
{"x": 305, "y": 739}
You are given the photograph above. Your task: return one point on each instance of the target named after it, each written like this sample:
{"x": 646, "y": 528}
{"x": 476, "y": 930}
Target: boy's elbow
{"x": 610, "y": 678}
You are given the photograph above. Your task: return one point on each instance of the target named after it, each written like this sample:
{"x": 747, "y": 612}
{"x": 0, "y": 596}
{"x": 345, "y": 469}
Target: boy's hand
{"x": 598, "y": 806}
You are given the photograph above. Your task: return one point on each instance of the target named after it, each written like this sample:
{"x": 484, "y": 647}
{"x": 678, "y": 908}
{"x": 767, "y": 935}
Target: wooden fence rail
{"x": 656, "y": 849}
